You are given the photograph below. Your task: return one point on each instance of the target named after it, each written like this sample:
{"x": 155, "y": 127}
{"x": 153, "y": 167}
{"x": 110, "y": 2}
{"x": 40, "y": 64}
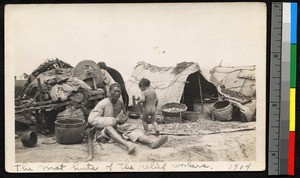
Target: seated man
{"x": 109, "y": 116}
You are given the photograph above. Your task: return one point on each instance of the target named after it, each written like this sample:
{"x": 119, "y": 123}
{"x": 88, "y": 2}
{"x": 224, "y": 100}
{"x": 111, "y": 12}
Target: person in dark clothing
{"x": 117, "y": 78}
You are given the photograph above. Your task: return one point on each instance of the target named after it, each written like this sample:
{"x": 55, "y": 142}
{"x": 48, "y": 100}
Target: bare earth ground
{"x": 204, "y": 140}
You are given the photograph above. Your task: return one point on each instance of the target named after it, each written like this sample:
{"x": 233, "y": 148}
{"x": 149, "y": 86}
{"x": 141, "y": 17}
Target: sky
{"x": 123, "y": 34}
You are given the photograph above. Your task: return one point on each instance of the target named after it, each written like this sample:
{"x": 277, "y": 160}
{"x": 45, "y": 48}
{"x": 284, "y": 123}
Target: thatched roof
{"x": 168, "y": 82}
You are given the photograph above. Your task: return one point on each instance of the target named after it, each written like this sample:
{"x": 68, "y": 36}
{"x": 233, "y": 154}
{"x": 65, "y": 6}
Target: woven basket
{"x": 180, "y": 109}
{"x": 222, "y": 110}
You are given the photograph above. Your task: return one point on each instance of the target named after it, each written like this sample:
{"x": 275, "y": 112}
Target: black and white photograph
{"x": 145, "y": 87}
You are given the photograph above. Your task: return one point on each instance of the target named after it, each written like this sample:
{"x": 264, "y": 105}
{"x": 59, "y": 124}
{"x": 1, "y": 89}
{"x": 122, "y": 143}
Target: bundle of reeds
{"x": 181, "y": 67}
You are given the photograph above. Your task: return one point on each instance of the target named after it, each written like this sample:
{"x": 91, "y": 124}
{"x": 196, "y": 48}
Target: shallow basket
{"x": 222, "y": 110}
{"x": 181, "y": 108}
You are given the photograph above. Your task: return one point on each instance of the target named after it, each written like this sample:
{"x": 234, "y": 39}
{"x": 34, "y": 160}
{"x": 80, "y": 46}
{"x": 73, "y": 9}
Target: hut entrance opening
{"x": 193, "y": 93}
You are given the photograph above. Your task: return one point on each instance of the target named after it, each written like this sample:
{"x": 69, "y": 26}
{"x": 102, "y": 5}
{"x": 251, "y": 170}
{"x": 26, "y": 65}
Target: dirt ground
{"x": 203, "y": 140}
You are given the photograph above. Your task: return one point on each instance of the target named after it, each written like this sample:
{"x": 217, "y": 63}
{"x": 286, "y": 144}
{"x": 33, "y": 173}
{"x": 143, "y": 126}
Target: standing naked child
{"x": 149, "y": 101}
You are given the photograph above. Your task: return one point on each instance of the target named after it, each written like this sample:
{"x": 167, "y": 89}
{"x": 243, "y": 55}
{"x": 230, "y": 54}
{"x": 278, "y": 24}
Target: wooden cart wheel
{"x": 90, "y": 72}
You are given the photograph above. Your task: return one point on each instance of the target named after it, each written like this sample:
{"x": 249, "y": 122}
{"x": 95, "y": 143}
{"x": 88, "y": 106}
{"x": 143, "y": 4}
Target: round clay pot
{"x": 69, "y": 131}
{"x": 29, "y": 139}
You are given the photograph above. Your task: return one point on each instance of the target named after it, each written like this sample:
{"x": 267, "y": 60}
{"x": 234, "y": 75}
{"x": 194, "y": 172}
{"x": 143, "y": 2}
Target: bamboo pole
{"x": 200, "y": 88}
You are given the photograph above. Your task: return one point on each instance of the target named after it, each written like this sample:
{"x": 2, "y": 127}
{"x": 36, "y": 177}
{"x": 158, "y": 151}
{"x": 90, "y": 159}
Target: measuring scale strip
{"x": 282, "y": 89}
{"x": 275, "y": 83}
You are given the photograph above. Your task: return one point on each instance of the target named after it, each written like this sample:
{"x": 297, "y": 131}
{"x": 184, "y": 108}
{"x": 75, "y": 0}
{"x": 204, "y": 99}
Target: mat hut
{"x": 183, "y": 83}
{"x": 239, "y": 79}
{"x": 238, "y": 85}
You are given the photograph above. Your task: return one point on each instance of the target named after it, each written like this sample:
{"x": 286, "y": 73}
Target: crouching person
{"x": 109, "y": 116}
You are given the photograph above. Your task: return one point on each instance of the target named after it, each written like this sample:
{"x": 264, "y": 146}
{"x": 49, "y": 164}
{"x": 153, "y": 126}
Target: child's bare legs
{"x": 154, "y": 123}
{"x": 145, "y": 124}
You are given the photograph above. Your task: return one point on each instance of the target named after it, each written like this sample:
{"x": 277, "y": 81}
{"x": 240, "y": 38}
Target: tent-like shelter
{"x": 240, "y": 79}
{"x": 183, "y": 83}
